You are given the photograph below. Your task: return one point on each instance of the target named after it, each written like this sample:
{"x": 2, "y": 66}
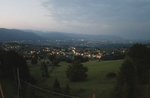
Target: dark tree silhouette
{"x": 34, "y": 58}
{"x": 44, "y": 70}
{"x": 134, "y": 72}
{"x": 54, "y": 59}
{"x": 76, "y": 72}
{"x": 67, "y": 90}
{"x": 10, "y": 61}
{"x": 56, "y": 86}
{"x": 140, "y": 55}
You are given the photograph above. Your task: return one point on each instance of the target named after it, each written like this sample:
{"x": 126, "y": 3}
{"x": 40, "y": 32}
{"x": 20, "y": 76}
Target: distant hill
{"x": 55, "y": 35}
{"x": 14, "y": 34}
{"x": 71, "y": 36}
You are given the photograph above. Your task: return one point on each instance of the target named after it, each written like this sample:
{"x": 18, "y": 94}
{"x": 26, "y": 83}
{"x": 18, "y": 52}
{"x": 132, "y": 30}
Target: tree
{"x": 81, "y": 59}
{"x": 76, "y": 72}
{"x": 127, "y": 79}
{"x": 44, "y": 70}
{"x": 10, "y": 62}
{"x": 56, "y": 86}
{"x": 140, "y": 55}
{"x": 34, "y": 59}
{"x": 67, "y": 90}
{"x": 55, "y": 60}
{"x": 134, "y": 72}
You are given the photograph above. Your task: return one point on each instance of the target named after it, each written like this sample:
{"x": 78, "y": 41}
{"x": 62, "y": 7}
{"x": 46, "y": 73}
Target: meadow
{"x": 97, "y": 82}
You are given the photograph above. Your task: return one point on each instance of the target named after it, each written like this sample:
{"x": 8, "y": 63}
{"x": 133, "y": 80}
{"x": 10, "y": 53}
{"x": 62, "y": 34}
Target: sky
{"x": 125, "y": 18}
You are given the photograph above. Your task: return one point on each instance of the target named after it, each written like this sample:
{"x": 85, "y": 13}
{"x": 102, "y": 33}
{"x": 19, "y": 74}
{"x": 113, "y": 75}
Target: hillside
{"x": 97, "y": 82}
{"x": 14, "y": 34}
{"x": 76, "y": 36}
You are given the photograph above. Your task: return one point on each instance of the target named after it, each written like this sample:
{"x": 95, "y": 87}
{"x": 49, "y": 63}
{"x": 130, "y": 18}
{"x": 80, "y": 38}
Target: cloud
{"x": 105, "y": 16}
{"x": 97, "y": 9}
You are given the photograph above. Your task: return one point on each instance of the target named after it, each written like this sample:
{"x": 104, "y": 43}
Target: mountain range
{"x": 15, "y": 34}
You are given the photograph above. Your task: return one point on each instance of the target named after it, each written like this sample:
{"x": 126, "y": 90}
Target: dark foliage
{"x": 81, "y": 59}
{"x": 44, "y": 70}
{"x": 76, "y": 72}
{"x": 67, "y": 89}
{"x": 140, "y": 55}
{"x": 10, "y": 61}
{"x": 134, "y": 72}
{"x": 115, "y": 56}
{"x": 56, "y": 86}
{"x": 34, "y": 59}
{"x": 55, "y": 59}
{"x": 111, "y": 75}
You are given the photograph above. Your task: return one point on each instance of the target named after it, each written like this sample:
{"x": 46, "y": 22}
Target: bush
{"x": 76, "y": 72}
{"x": 56, "y": 86}
{"x": 111, "y": 75}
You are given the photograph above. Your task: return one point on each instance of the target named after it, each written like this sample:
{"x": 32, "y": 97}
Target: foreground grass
{"x": 9, "y": 89}
{"x": 97, "y": 83}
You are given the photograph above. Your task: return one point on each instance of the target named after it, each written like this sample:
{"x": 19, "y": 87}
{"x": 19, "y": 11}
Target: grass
{"x": 97, "y": 82}
{"x": 9, "y": 89}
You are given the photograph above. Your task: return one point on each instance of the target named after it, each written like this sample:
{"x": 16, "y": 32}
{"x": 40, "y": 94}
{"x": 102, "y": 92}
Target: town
{"x": 30, "y": 51}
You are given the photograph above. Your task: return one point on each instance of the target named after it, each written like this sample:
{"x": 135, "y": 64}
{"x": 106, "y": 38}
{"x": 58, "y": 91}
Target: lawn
{"x": 97, "y": 82}
{"x": 8, "y": 88}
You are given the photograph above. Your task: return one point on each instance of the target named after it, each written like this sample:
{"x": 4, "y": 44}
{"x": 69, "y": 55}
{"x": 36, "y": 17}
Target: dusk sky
{"x": 125, "y": 18}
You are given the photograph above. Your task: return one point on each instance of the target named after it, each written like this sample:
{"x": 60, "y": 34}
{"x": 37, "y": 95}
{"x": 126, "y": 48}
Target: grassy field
{"x": 9, "y": 89}
{"x": 97, "y": 82}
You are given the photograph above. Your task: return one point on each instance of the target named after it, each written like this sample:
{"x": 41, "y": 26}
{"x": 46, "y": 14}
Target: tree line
{"x": 134, "y": 76}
